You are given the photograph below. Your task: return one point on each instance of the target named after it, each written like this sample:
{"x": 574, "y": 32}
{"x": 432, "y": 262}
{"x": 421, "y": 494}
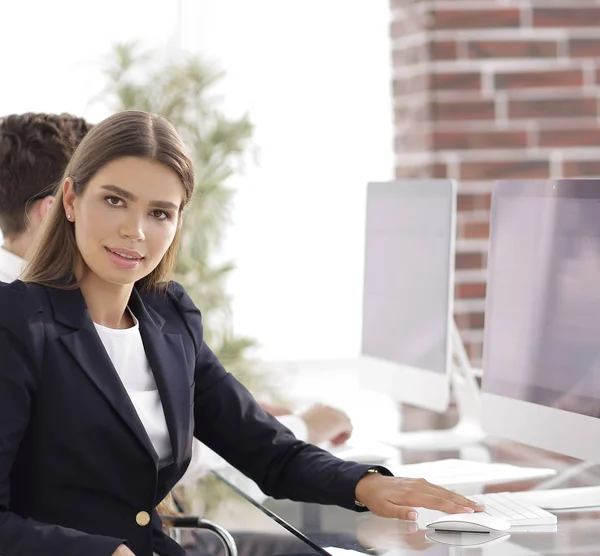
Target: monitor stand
{"x": 467, "y": 395}
{"x": 547, "y": 496}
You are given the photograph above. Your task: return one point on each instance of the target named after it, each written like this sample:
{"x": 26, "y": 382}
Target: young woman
{"x": 105, "y": 378}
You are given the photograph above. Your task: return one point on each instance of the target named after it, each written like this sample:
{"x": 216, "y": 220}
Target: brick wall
{"x": 493, "y": 89}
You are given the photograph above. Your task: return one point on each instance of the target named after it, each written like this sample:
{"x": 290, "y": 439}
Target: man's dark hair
{"x": 34, "y": 152}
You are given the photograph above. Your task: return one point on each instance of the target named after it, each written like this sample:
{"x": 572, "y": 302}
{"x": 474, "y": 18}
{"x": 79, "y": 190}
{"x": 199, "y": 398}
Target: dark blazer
{"x": 78, "y": 473}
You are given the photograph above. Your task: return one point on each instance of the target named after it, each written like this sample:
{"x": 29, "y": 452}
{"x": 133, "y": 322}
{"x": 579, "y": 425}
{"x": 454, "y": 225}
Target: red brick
{"x": 410, "y": 55}
{"x": 410, "y": 85}
{"x": 461, "y": 140}
{"x": 398, "y": 28}
{"x": 553, "y": 108}
{"x": 466, "y": 321}
{"x": 408, "y": 172}
{"x": 462, "y": 321}
{"x": 443, "y": 50}
{"x": 439, "y": 170}
{"x": 456, "y": 81}
{"x": 469, "y": 261}
{"x": 476, "y": 19}
{"x": 566, "y": 17}
{"x": 465, "y": 202}
{"x": 524, "y": 79}
{"x": 584, "y": 48}
{"x": 583, "y": 137}
{"x": 470, "y": 291}
{"x": 477, "y": 320}
{"x": 512, "y": 49}
{"x": 475, "y": 110}
{"x": 581, "y": 168}
{"x": 414, "y": 139}
{"x": 598, "y": 76}
{"x": 505, "y": 170}
{"x": 473, "y": 201}
{"x": 476, "y": 230}
{"x": 412, "y": 112}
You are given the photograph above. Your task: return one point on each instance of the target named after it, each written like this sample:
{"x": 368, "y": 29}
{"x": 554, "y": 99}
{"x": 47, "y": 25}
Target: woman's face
{"x": 126, "y": 218}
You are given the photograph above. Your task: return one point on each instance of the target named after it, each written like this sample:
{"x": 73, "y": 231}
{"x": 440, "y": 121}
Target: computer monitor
{"x": 541, "y": 382}
{"x": 408, "y": 290}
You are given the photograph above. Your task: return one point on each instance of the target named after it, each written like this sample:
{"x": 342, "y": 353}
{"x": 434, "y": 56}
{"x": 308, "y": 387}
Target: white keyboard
{"x": 457, "y": 472}
{"x": 523, "y": 517}
{"x": 517, "y": 513}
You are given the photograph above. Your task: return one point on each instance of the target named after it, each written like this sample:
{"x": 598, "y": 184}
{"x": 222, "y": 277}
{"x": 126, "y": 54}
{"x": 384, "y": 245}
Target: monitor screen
{"x": 543, "y": 342}
{"x": 408, "y": 262}
{"x": 409, "y": 290}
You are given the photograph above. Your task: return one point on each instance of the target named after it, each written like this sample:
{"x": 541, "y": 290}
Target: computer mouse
{"x": 455, "y": 538}
{"x": 477, "y": 522}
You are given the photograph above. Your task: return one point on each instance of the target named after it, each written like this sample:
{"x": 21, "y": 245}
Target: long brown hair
{"x": 130, "y": 133}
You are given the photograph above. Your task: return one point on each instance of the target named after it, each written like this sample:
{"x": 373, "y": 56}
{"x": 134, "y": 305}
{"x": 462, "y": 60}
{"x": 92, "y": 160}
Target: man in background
{"x": 34, "y": 152}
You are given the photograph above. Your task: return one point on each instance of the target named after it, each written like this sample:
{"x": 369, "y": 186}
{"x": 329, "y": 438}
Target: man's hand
{"x": 122, "y": 550}
{"x": 398, "y": 497}
{"x": 326, "y": 423}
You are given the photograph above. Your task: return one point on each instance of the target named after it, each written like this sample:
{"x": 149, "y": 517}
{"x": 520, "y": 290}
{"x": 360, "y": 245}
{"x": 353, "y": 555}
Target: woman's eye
{"x": 113, "y": 201}
{"x": 160, "y": 214}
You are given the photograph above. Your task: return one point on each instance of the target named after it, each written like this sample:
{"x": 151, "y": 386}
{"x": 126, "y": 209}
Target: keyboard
{"x": 517, "y": 513}
{"x": 451, "y": 473}
{"x": 522, "y": 516}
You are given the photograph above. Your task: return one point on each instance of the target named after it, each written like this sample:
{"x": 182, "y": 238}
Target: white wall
{"x": 315, "y": 78}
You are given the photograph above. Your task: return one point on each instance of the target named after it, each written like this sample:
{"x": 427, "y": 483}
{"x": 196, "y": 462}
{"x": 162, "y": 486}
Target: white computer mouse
{"x": 455, "y": 538}
{"x": 477, "y": 522}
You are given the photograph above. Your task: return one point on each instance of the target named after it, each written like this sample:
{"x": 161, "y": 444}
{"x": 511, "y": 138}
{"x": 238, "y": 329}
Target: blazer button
{"x": 142, "y": 519}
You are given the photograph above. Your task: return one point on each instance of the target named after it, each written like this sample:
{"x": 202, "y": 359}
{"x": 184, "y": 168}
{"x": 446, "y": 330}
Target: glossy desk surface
{"x": 577, "y": 532}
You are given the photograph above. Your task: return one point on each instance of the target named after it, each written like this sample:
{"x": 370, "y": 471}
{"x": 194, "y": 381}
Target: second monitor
{"x": 542, "y": 334}
{"x": 541, "y": 384}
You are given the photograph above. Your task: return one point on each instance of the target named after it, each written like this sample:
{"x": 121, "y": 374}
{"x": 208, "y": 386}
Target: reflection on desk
{"x": 578, "y": 533}
{"x": 466, "y": 539}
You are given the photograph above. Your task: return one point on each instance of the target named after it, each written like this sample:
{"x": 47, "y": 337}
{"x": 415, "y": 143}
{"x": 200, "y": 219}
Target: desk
{"x": 578, "y": 532}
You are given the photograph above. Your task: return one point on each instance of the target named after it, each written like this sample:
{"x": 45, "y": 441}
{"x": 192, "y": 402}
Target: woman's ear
{"x": 68, "y": 198}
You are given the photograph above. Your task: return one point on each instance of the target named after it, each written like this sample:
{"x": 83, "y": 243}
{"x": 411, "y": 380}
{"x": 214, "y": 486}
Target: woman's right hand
{"x": 122, "y": 550}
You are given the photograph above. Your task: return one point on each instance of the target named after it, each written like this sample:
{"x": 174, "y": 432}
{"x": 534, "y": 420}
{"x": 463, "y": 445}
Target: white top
{"x": 11, "y": 266}
{"x": 126, "y": 351}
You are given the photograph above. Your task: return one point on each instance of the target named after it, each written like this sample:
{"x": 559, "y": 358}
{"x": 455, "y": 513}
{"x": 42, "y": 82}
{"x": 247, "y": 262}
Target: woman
{"x": 105, "y": 378}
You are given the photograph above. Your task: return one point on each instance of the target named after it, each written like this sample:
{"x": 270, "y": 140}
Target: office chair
{"x": 176, "y": 521}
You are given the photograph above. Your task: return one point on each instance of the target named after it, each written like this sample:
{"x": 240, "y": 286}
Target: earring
{"x": 68, "y": 216}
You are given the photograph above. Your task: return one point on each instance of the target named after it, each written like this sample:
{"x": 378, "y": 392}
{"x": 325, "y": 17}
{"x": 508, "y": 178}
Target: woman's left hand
{"x": 397, "y": 497}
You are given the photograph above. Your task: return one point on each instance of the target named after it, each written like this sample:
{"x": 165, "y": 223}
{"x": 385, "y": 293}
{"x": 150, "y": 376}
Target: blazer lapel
{"x": 166, "y": 355}
{"x": 84, "y": 344}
